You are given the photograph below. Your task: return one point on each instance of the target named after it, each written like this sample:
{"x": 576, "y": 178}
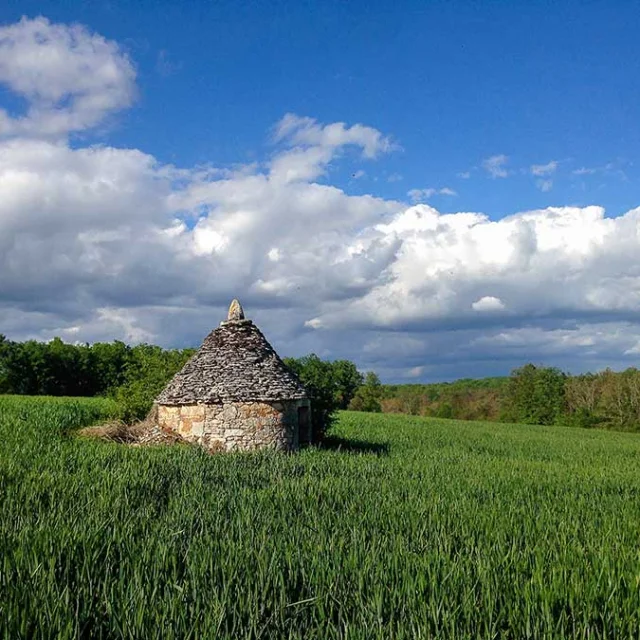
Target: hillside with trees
{"x": 135, "y": 375}
{"x": 530, "y": 395}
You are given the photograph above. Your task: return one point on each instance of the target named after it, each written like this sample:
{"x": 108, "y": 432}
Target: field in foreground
{"x": 406, "y": 527}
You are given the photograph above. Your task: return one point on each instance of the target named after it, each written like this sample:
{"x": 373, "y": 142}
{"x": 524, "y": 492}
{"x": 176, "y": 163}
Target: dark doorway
{"x": 304, "y": 426}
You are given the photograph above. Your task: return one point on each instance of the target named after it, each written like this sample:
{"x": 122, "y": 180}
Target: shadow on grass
{"x": 335, "y": 443}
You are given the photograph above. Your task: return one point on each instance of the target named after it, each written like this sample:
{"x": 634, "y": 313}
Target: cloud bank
{"x": 99, "y": 243}
{"x": 71, "y": 79}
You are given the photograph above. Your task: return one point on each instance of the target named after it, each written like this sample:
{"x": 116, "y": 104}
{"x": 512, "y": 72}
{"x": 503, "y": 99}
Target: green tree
{"x": 108, "y": 362}
{"x": 619, "y": 398}
{"x": 147, "y": 371}
{"x": 318, "y": 377}
{"x": 535, "y": 395}
{"x": 27, "y": 367}
{"x": 346, "y": 380}
{"x": 444, "y": 410}
{"x": 583, "y": 394}
{"x": 368, "y": 396}
{"x": 5, "y": 348}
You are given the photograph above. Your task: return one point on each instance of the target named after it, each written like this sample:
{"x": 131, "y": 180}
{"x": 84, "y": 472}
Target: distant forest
{"x": 135, "y": 375}
{"x": 531, "y": 395}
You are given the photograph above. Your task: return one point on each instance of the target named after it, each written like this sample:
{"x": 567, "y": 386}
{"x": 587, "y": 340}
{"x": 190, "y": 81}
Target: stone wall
{"x": 238, "y": 425}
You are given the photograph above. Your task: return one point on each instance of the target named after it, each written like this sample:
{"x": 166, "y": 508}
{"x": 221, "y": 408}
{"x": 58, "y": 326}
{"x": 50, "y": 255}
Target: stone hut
{"x": 236, "y": 393}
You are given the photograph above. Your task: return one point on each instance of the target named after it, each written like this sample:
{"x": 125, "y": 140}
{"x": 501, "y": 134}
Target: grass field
{"x": 404, "y": 528}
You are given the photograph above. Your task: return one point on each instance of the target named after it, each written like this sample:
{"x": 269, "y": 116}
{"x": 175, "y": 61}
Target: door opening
{"x": 304, "y": 426}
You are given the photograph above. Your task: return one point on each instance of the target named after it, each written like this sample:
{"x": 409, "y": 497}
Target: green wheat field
{"x": 401, "y": 528}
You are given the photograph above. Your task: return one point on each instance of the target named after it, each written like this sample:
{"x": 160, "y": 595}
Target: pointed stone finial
{"x": 235, "y": 311}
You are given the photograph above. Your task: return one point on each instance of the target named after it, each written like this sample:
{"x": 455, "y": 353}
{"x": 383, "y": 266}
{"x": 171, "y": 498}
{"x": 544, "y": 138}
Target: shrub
{"x": 318, "y": 377}
{"x": 368, "y": 396}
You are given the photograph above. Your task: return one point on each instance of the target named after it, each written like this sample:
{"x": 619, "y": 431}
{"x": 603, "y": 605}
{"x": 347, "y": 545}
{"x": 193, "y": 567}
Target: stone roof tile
{"x": 235, "y": 363}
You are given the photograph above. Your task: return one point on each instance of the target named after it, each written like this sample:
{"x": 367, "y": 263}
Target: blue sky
{"x": 491, "y": 108}
{"x": 452, "y": 82}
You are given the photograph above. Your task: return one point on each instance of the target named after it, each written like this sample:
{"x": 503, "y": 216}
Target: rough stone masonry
{"x": 236, "y": 393}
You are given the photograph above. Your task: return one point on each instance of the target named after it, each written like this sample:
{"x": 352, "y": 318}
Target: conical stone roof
{"x": 234, "y": 364}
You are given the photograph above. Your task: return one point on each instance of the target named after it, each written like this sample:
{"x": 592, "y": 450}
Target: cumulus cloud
{"x": 70, "y": 78}
{"x": 495, "y": 166}
{"x": 100, "y": 243}
{"x": 554, "y": 263}
{"x": 305, "y": 131}
{"x": 311, "y": 146}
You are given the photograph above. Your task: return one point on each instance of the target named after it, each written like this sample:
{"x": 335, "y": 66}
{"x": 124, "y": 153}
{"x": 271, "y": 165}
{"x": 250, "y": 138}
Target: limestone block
{"x": 229, "y": 412}
{"x": 213, "y": 410}
{"x": 245, "y": 410}
{"x": 197, "y": 428}
{"x": 236, "y": 311}
{"x": 231, "y": 426}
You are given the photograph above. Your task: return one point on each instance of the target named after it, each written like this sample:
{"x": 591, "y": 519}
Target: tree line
{"x": 134, "y": 376}
{"x": 335, "y": 385}
{"x": 531, "y": 395}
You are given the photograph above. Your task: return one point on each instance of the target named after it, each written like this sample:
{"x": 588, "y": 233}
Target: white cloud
{"x": 71, "y": 78}
{"x": 634, "y": 350}
{"x": 495, "y": 166}
{"x": 565, "y": 261}
{"x": 419, "y": 195}
{"x": 101, "y": 243}
{"x": 123, "y": 322}
{"x": 610, "y": 168}
{"x": 488, "y": 303}
{"x": 311, "y": 146}
{"x": 544, "y": 169}
{"x": 307, "y": 132}
{"x": 544, "y": 185}
{"x": 88, "y": 230}
{"x": 465, "y": 175}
